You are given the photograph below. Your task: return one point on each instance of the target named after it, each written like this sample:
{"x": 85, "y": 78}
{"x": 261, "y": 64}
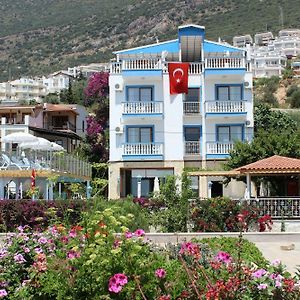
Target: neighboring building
{"x": 263, "y": 38}
{"x": 242, "y": 40}
{"x": 267, "y": 62}
{"x": 23, "y": 89}
{"x": 296, "y": 68}
{"x": 57, "y": 81}
{"x": 60, "y": 123}
{"x": 287, "y": 45}
{"x": 88, "y": 70}
{"x": 154, "y": 134}
{"x": 289, "y": 33}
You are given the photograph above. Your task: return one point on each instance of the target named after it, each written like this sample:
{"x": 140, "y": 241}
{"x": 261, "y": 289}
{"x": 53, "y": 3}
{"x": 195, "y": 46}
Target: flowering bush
{"x": 224, "y": 214}
{"x": 102, "y": 259}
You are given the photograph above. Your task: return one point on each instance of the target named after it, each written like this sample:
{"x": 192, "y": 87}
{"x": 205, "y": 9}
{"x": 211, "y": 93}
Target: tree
{"x": 293, "y": 96}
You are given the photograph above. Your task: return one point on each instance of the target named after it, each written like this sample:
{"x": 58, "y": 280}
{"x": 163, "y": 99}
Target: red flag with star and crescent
{"x": 178, "y": 76}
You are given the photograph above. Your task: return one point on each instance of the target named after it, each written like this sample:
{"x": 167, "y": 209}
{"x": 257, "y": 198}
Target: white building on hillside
{"x": 57, "y": 81}
{"x": 242, "y": 40}
{"x": 154, "y": 134}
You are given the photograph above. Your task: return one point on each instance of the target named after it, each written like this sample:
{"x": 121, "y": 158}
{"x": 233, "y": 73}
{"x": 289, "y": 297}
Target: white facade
{"x": 88, "y": 70}
{"x": 155, "y": 134}
{"x": 22, "y": 89}
{"x": 242, "y": 40}
{"x": 57, "y": 81}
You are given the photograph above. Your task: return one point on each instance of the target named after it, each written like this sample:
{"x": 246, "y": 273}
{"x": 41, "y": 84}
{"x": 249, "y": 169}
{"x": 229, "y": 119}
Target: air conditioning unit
{"x": 248, "y": 85}
{"x": 249, "y": 123}
{"x": 119, "y": 130}
{"x": 119, "y": 87}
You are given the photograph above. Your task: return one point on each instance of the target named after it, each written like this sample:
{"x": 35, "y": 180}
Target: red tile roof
{"x": 59, "y": 107}
{"x": 273, "y": 164}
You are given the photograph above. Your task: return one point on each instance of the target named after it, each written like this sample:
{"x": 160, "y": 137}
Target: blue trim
{"x": 141, "y": 86}
{"x": 240, "y": 71}
{"x": 140, "y": 157}
{"x": 241, "y": 85}
{"x": 230, "y": 125}
{"x": 140, "y": 126}
{"x": 210, "y": 46}
{"x": 191, "y": 31}
{"x": 149, "y": 72}
{"x": 216, "y": 156}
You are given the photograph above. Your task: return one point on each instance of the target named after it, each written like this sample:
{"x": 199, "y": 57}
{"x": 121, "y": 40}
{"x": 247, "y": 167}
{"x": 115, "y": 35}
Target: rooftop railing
{"x": 225, "y": 106}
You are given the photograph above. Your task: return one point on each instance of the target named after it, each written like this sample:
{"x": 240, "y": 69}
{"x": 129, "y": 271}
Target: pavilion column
{"x": 50, "y": 191}
{"x": 88, "y": 190}
{"x": 59, "y": 189}
{"x": 248, "y": 189}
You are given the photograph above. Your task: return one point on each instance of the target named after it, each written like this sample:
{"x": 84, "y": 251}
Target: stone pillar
{"x": 209, "y": 187}
{"x": 59, "y": 189}
{"x": 50, "y": 191}
{"x": 88, "y": 190}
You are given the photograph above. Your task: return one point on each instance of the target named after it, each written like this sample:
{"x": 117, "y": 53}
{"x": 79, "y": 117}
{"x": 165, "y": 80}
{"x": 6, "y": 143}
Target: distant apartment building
{"x": 88, "y": 70}
{"x": 296, "y": 68}
{"x": 263, "y": 38}
{"x": 60, "y": 123}
{"x": 289, "y": 33}
{"x": 242, "y": 40}
{"x": 23, "y": 89}
{"x": 155, "y": 133}
{"x": 57, "y": 81}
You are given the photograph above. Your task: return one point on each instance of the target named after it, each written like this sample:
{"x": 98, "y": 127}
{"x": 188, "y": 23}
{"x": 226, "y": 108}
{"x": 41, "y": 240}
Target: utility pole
{"x": 281, "y": 16}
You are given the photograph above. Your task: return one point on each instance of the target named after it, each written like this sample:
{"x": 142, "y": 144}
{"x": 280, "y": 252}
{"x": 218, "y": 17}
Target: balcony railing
{"x": 278, "y": 207}
{"x": 191, "y": 108}
{"x": 61, "y": 126}
{"x": 225, "y": 63}
{"x": 192, "y": 148}
{"x": 225, "y": 106}
{"x": 218, "y": 148}
{"x": 136, "y": 108}
{"x": 143, "y": 149}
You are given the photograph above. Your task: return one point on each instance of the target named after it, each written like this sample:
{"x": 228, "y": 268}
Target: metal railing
{"x": 191, "y": 108}
{"x": 278, "y": 207}
{"x": 54, "y": 162}
{"x": 142, "y": 149}
{"x": 192, "y": 148}
{"x": 61, "y": 126}
{"x": 153, "y": 107}
{"x": 224, "y": 63}
{"x": 219, "y": 148}
{"x": 225, "y": 106}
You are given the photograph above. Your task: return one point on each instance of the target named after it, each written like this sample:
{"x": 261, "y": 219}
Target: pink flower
{"x": 262, "y": 286}
{"x": 160, "y": 273}
{"x": 139, "y": 232}
{"x": 117, "y": 282}
{"x": 19, "y": 259}
{"x": 259, "y": 273}
{"x": 72, "y": 233}
{"x": 73, "y": 254}
{"x": 42, "y": 240}
{"x": 190, "y": 249}
{"x": 3, "y": 293}
{"x": 128, "y": 235}
{"x": 224, "y": 257}
{"x": 276, "y": 262}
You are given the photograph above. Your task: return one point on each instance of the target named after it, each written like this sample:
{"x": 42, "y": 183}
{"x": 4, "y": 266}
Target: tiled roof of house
{"x": 59, "y": 107}
{"x": 274, "y": 164}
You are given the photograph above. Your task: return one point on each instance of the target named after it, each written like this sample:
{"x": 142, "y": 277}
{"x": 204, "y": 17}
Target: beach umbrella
{"x": 39, "y": 144}
{"x": 19, "y": 137}
{"x": 56, "y": 147}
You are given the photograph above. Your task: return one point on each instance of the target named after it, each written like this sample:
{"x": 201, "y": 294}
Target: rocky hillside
{"x": 40, "y": 36}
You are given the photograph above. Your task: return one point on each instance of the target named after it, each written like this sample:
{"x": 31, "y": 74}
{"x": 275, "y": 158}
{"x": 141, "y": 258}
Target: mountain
{"x": 41, "y": 36}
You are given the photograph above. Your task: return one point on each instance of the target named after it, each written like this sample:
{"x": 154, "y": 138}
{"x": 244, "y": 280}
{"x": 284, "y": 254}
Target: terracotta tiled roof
{"x": 59, "y": 107}
{"x": 274, "y": 164}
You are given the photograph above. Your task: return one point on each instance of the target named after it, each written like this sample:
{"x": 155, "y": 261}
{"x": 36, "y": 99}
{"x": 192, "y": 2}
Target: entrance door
{"x": 216, "y": 189}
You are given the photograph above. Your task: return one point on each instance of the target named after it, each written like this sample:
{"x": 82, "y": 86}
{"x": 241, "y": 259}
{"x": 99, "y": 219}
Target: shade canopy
{"x": 19, "y": 137}
{"x": 56, "y": 147}
{"x": 39, "y": 144}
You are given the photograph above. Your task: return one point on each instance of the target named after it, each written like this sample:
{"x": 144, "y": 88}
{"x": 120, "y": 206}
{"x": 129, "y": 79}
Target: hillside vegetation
{"x": 40, "y": 36}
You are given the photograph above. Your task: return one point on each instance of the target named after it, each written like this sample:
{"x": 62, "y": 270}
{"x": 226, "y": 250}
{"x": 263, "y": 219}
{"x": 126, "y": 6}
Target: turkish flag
{"x": 178, "y": 76}
{"x": 33, "y": 175}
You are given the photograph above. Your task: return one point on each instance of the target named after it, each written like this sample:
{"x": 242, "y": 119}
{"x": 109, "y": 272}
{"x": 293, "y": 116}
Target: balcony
{"x": 225, "y": 63}
{"x": 142, "y": 108}
{"x": 225, "y": 107}
{"x": 192, "y": 148}
{"x": 142, "y": 149}
{"x": 219, "y": 148}
{"x": 61, "y": 126}
{"x": 191, "y": 108}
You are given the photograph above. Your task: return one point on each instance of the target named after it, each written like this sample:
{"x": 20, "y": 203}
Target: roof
{"x": 273, "y": 164}
{"x": 59, "y": 107}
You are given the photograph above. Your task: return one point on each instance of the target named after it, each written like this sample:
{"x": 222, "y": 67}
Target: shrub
{"x": 248, "y": 251}
{"x": 223, "y": 214}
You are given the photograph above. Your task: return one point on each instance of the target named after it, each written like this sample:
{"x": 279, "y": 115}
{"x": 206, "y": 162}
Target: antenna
{"x": 157, "y": 40}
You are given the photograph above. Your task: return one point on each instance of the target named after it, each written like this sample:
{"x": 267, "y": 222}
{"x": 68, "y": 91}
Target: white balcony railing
{"x": 218, "y": 148}
{"x": 115, "y": 68}
{"x": 192, "y": 148}
{"x": 194, "y": 68}
{"x": 191, "y": 108}
{"x": 224, "y": 63}
{"x": 225, "y": 106}
{"x": 143, "y": 149}
{"x": 142, "y": 64}
{"x": 135, "y": 108}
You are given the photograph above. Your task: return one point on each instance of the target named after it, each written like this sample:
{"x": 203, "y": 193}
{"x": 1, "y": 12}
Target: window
{"x": 192, "y": 134}
{"x": 230, "y": 133}
{"x": 140, "y": 135}
{"x": 193, "y": 95}
{"x": 139, "y": 94}
{"x": 229, "y": 92}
